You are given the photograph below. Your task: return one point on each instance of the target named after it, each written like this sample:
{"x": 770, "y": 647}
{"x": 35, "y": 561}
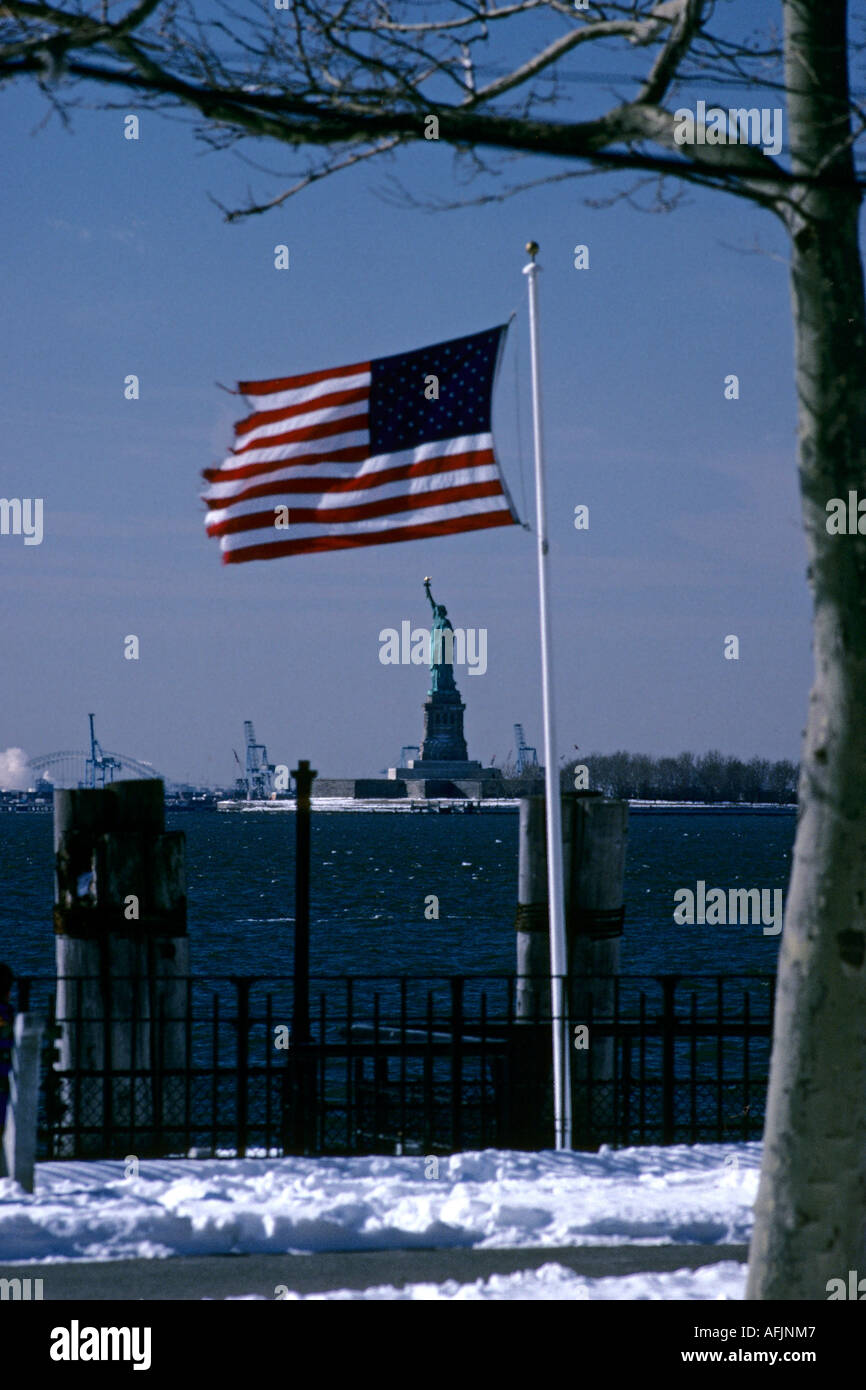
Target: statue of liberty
{"x": 441, "y": 646}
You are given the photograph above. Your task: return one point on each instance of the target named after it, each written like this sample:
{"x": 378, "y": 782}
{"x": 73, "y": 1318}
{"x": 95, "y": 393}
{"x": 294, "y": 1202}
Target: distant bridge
{"x": 70, "y": 768}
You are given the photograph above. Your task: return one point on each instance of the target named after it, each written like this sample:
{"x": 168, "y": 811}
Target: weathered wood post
{"x": 531, "y": 923}
{"x": 19, "y": 1137}
{"x": 532, "y": 1111}
{"x": 594, "y": 840}
{"x": 595, "y": 868}
{"x": 122, "y": 968}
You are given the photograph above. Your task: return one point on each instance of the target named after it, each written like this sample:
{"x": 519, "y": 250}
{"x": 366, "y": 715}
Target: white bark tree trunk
{"x": 811, "y": 1209}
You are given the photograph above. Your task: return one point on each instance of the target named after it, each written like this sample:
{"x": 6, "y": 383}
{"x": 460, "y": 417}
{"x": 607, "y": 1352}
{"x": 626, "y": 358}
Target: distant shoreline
{"x": 491, "y": 806}
{"x": 724, "y": 808}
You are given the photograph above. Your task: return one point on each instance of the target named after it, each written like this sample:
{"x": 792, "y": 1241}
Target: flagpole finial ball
{"x": 532, "y": 248}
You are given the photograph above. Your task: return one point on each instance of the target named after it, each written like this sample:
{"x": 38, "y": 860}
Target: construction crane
{"x": 99, "y": 764}
{"x": 526, "y": 757}
{"x": 240, "y": 780}
{"x": 259, "y": 772}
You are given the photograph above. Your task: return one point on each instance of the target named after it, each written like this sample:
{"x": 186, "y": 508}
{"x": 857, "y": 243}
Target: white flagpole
{"x": 556, "y": 905}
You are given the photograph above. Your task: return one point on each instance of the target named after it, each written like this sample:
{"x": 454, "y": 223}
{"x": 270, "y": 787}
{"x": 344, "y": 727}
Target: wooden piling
{"x": 122, "y": 963}
{"x": 19, "y": 1137}
{"x": 594, "y": 841}
{"x": 532, "y": 1124}
{"x": 531, "y": 924}
{"x": 597, "y": 832}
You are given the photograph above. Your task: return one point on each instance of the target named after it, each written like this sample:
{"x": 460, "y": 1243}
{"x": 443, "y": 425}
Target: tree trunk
{"x": 811, "y": 1211}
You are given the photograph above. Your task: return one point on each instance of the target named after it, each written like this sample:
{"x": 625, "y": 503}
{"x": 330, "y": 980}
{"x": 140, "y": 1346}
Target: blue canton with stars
{"x": 401, "y": 417}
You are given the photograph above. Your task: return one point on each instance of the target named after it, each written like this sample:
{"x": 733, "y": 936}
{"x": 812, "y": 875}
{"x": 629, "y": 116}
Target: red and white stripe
{"x": 306, "y": 446}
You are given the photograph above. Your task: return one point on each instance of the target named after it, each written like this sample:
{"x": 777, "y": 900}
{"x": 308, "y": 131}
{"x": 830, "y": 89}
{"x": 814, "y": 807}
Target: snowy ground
{"x": 487, "y": 1200}
{"x": 554, "y": 1283}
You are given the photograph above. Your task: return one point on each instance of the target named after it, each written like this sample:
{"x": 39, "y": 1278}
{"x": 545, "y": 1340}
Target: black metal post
{"x": 303, "y": 775}
{"x": 300, "y": 1093}
{"x": 242, "y": 1063}
{"x": 669, "y": 1022}
{"x": 457, "y": 1062}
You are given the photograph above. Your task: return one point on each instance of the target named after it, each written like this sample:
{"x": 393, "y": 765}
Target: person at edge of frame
{"x": 7, "y": 1018}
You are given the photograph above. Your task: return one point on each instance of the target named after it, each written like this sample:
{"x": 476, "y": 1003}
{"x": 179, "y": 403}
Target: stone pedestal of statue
{"x": 444, "y": 758}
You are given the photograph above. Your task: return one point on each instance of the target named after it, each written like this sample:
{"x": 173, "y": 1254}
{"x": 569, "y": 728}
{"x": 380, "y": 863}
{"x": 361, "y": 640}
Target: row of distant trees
{"x": 709, "y": 777}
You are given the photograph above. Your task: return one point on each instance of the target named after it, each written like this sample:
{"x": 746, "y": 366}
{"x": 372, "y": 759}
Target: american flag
{"x": 363, "y": 455}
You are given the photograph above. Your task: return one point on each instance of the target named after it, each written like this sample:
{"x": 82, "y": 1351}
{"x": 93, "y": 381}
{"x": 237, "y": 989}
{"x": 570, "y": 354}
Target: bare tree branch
{"x": 332, "y": 167}
{"x": 361, "y": 77}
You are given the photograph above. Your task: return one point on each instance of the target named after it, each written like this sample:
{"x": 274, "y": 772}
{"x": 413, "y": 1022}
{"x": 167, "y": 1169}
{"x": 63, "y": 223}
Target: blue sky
{"x": 117, "y": 262}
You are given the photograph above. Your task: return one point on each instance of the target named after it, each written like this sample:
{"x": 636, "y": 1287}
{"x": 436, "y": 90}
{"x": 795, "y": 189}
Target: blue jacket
{"x": 7, "y": 1019}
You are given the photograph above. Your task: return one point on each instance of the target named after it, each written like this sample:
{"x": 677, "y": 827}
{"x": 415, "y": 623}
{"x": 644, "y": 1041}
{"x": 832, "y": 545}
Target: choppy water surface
{"x": 371, "y": 875}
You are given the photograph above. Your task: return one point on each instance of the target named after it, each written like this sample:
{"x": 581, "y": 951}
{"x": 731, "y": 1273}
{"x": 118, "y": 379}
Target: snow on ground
{"x": 554, "y": 1283}
{"x": 490, "y": 1199}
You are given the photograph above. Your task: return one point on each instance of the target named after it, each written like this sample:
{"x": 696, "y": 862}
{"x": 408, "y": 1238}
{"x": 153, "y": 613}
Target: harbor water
{"x": 374, "y": 879}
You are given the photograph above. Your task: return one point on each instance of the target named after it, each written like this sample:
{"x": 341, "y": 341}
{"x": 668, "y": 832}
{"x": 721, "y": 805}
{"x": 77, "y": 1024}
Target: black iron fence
{"x": 409, "y": 1064}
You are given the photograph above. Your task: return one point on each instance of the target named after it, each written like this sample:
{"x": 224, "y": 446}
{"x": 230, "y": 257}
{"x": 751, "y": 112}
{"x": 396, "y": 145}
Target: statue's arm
{"x": 429, "y": 596}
